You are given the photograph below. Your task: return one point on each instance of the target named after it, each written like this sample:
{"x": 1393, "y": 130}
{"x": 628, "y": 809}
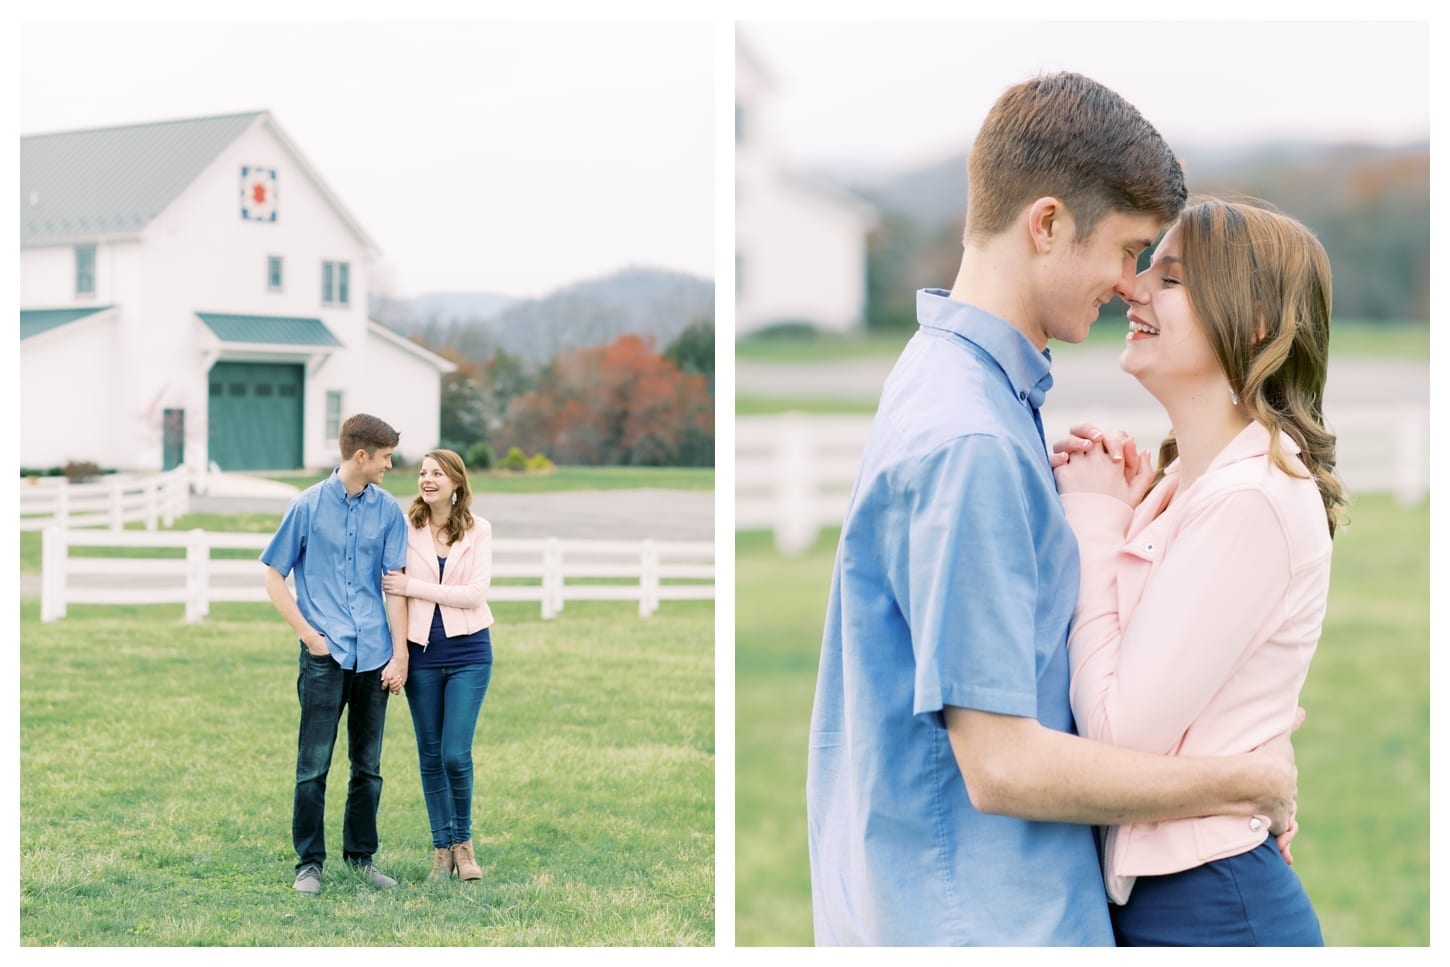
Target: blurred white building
{"x": 800, "y": 248}
{"x": 192, "y": 292}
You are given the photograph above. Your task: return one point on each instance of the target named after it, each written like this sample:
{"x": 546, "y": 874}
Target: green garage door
{"x": 255, "y": 416}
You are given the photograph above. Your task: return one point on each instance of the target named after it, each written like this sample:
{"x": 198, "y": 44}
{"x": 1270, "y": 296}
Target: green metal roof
{"x": 283, "y": 330}
{"x": 33, "y": 322}
{"x": 110, "y": 181}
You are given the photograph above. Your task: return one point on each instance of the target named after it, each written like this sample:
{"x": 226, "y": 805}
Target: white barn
{"x": 192, "y": 293}
{"x": 800, "y": 247}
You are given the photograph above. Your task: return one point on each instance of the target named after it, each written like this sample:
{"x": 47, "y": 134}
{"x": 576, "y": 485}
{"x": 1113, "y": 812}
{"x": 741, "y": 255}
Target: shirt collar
{"x": 1027, "y": 368}
{"x": 334, "y": 485}
{"x": 1249, "y": 443}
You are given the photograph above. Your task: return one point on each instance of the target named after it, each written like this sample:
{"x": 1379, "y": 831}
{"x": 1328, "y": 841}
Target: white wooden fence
{"x": 659, "y": 570}
{"x": 112, "y": 502}
{"x": 794, "y": 472}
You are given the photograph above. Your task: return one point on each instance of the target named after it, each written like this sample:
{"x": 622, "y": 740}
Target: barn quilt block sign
{"x": 259, "y": 194}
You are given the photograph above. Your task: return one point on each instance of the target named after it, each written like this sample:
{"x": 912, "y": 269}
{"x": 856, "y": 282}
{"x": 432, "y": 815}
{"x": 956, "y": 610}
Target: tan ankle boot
{"x": 442, "y": 864}
{"x": 463, "y": 859}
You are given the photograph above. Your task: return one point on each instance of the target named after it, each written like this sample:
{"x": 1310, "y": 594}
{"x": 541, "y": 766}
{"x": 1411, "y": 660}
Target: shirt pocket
{"x": 370, "y": 542}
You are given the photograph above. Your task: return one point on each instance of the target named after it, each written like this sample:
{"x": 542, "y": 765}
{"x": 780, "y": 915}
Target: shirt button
{"x": 1022, "y": 396}
{"x": 1255, "y": 824}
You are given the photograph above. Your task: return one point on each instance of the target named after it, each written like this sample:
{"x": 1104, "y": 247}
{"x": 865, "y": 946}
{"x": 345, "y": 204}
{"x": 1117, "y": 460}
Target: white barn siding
{"x": 397, "y": 386}
{"x": 800, "y": 251}
{"x": 199, "y": 255}
{"x": 802, "y": 259}
{"x": 65, "y": 415}
{"x": 229, "y": 274}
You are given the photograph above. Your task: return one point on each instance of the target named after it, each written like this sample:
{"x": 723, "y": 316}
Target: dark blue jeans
{"x": 324, "y": 688}
{"x": 1250, "y": 900}
{"x": 445, "y": 703}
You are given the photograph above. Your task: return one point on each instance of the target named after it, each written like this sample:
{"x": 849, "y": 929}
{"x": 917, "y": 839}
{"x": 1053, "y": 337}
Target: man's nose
{"x": 1130, "y": 288}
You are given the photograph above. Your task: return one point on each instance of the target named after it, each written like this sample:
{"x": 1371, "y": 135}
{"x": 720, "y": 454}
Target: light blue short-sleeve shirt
{"x": 954, "y": 584}
{"x": 340, "y": 547}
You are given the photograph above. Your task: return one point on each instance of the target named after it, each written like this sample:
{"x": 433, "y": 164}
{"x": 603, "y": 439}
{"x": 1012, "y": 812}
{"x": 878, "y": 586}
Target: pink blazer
{"x": 462, "y": 594}
{"x": 1193, "y": 632}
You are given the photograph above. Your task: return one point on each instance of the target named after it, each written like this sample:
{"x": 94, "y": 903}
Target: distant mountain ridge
{"x": 408, "y": 316}
{"x": 1369, "y": 206}
{"x": 935, "y": 195}
{"x": 649, "y": 302}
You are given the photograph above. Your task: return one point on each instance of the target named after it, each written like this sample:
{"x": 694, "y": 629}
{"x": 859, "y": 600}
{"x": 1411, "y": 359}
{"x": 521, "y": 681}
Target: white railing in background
{"x": 794, "y": 471}
{"x": 659, "y": 571}
{"x": 113, "y": 502}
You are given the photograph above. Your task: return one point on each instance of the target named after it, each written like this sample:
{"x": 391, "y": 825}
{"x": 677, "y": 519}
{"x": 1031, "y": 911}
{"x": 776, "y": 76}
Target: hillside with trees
{"x": 615, "y": 371}
{"x": 1369, "y": 206}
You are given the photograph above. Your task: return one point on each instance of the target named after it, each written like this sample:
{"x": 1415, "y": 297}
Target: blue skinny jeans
{"x": 445, "y": 703}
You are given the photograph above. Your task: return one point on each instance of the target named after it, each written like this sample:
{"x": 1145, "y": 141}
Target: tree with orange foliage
{"x": 620, "y": 404}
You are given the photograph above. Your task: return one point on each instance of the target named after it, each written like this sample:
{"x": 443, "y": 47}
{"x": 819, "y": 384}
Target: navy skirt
{"x": 1250, "y": 900}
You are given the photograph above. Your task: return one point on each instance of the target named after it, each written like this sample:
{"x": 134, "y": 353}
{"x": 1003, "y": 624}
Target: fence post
{"x": 117, "y": 518}
{"x": 151, "y": 496}
{"x": 1411, "y": 473}
{"x": 179, "y": 496}
{"x": 62, "y": 506}
{"x": 649, "y": 579}
{"x": 168, "y": 498}
{"x": 795, "y": 515}
{"x": 198, "y": 554}
{"x": 553, "y": 580}
{"x": 52, "y": 573}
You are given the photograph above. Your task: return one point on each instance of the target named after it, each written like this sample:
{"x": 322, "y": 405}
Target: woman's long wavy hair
{"x": 460, "y": 517}
{"x": 1259, "y": 283}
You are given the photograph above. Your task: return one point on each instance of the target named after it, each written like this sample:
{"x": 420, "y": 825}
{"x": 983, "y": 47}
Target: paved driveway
{"x": 663, "y": 515}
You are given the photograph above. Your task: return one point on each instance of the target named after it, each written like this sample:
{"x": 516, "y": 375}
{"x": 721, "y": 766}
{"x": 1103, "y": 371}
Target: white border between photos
{"x": 723, "y": 16}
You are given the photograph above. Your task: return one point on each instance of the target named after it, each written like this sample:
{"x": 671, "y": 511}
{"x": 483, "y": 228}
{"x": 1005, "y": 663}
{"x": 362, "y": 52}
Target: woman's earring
{"x": 454, "y": 498}
{"x": 1233, "y": 396}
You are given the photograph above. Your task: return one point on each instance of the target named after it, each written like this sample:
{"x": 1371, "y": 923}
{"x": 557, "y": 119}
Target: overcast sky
{"x": 901, "y": 95}
{"x": 501, "y": 157}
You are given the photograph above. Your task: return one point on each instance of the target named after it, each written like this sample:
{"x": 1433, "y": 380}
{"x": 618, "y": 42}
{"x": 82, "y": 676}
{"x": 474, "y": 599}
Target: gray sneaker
{"x": 309, "y": 880}
{"x": 376, "y": 877}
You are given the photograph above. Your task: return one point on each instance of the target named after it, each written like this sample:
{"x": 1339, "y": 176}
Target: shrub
{"x": 79, "y": 471}
{"x": 539, "y": 463}
{"x": 515, "y": 460}
{"x": 479, "y": 456}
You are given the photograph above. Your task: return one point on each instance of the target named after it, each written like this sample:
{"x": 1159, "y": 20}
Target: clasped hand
{"x": 394, "y": 675}
{"x": 1091, "y": 461}
{"x": 395, "y": 582}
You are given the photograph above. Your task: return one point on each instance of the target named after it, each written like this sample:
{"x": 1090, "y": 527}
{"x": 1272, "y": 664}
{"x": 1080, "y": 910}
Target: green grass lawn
{"x": 1363, "y": 849}
{"x": 403, "y": 482}
{"x": 156, "y": 764}
{"x": 1408, "y": 340}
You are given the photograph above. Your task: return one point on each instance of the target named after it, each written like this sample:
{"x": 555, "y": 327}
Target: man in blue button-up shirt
{"x": 948, "y": 799}
{"x": 338, "y": 539}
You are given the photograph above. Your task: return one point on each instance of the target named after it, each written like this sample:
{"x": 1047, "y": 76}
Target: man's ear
{"x": 1048, "y": 224}
{"x": 359, "y": 456}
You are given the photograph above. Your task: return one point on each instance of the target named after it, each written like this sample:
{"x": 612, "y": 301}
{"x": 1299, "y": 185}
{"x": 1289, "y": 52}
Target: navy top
{"x": 446, "y": 652}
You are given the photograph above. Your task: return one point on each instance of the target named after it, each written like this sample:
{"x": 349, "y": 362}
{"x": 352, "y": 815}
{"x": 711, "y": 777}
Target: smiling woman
{"x": 1205, "y": 588}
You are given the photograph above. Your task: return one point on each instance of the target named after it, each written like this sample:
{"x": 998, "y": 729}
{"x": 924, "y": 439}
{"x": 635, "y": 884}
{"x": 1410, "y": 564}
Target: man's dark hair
{"x": 364, "y": 432}
{"x": 1067, "y": 136}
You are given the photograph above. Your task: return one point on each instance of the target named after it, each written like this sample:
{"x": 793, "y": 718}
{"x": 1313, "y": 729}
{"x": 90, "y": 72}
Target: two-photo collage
{"x": 722, "y": 483}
